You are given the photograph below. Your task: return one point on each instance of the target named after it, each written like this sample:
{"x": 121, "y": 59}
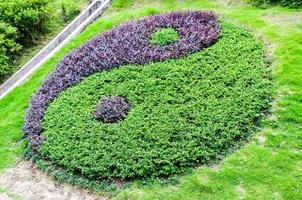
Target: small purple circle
{"x": 111, "y": 109}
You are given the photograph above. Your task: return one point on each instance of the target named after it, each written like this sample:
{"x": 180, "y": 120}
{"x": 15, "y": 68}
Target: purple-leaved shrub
{"x": 111, "y": 109}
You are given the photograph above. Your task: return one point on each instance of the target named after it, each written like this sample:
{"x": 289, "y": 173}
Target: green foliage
{"x": 184, "y": 111}
{"x": 8, "y": 48}
{"x": 30, "y": 17}
{"x": 291, "y": 3}
{"x": 21, "y": 22}
{"x": 164, "y": 36}
{"x": 260, "y": 3}
{"x": 70, "y": 9}
{"x": 25, "y": 23}
{"x": 119, "y": 4}
{"x": 9, "y": 35}
{"x": 286, "y": 3}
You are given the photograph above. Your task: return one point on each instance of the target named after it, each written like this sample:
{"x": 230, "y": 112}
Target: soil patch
{"x": 27, "y": 182}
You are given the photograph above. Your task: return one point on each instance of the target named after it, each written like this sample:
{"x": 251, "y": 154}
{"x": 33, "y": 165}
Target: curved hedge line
{"x": 189, "y": 110}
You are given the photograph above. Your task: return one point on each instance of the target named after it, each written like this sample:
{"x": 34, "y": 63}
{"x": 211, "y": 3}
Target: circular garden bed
{"x": 151, "y": 98}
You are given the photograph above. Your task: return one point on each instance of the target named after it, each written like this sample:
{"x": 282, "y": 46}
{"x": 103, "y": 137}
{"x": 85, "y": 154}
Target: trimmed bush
{"x": 192, "y": 102}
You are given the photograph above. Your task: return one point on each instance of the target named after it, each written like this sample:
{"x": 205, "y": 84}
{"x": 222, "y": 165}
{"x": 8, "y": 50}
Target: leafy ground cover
{"x": 269, "y": 167}
{"x": 164, "y": 36}
{"x": 183, "y": 112}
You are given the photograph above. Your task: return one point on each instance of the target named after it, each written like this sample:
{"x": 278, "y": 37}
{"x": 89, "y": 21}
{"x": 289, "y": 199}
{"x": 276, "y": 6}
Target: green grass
{"x": 263, "y": 169}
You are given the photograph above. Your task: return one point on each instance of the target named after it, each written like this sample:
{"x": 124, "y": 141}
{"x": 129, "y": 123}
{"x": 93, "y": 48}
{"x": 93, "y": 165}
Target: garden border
{"x": 94, "y": 10}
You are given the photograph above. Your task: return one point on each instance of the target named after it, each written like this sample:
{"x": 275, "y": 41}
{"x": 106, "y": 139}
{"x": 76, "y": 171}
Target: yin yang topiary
{"x": 122, "y": 107}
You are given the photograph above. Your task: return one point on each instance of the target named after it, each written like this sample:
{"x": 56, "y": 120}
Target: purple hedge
{"x": 126, "y": 44}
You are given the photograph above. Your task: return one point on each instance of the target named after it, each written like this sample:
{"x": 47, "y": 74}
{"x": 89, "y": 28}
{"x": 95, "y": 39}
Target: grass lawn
{"x": 268, "y": 167}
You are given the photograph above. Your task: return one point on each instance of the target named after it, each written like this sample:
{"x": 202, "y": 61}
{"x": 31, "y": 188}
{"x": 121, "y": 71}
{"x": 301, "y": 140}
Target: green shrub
{"x": 30, "y": 17}
{"x": 286, "y": 3}
{"x": 8, "y": 48}
{"x": 9, "y": 35}
{"x": 292, "y": 3}
{"x": 23, "y": 21}
{"x": 4, "y": 67}
{"x": 70, "y": 9}
{"x": 164, "y": 36}
{"x": 261, "y": 3}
